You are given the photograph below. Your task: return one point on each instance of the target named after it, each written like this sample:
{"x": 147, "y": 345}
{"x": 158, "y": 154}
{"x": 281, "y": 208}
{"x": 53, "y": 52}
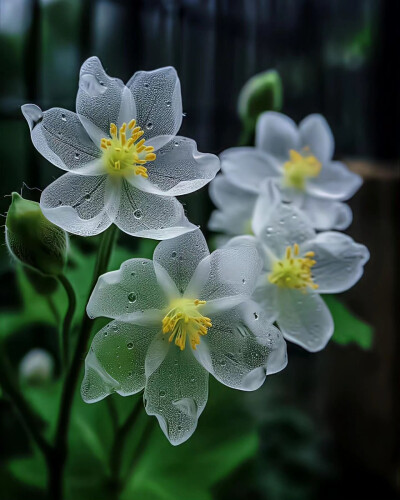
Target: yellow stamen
{"x": 124, "y": 155}
{"x": 183, "y": 321}
{"x": 300, "y": 167}
{"x": 293, "y": 271}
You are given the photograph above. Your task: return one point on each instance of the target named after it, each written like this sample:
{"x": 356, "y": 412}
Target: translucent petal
{"x": 101, "y": 100}
{"x": 335, "y": 181}
{"x": 316, "y": 134}
{"x": 268, "y": 200}
{"x": 179, "y": 169}
{"x": 79, "y": 204}
{"x": 176, "y": 393}
{"x": 285, "y": 226}
{"x": 128, "y": 293}
{"x": 180, "y": 256}
{"x": 247, "y": 167}
{"x": 149, "y": 215}
{"x": 60, "y": 137}
{"x": 326, "y": 214}
{"x": 235, "y": 207}
{"x": 239, "y": 345}
{"x": 277, "y": 134}
{"x": 304, "y": 318}
{"x": 227, "y": 272}
{"x": 265, "y": 295}
{"x": 116, "y": 360}
{"x": 158, "y": 100}
{"x": 339, "y": 261}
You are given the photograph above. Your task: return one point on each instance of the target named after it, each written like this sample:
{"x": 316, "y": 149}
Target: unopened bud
{"x": 36, "y": 367}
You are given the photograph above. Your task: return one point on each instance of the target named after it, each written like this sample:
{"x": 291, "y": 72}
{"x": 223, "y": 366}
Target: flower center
{"x": 124, "y": 153}
{"x": 293, "y": 271}
{"x": 184, "y": 320}
{"x": 300, "y": 167}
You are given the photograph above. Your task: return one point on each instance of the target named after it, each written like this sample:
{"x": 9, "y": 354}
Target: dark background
{"x": 331, "y": 426}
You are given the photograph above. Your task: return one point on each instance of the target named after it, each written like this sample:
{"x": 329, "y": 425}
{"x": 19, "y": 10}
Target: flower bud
{"x": 36, "y": 367}
{"x": 263, "y": 92}
{"x": 34, "y": 240}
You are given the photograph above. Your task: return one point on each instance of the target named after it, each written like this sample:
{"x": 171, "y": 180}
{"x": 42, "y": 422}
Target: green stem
{"x": 28, "y": 418}
{"x": 71, "y": 380}
{"x": 66, "y": 327}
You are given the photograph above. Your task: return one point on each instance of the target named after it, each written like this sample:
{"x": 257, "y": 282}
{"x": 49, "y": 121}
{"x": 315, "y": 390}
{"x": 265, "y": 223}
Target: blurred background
{"x": 329, "y": 425}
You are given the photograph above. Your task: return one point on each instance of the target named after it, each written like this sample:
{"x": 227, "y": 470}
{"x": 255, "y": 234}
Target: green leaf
{"x": 348, "y": 328}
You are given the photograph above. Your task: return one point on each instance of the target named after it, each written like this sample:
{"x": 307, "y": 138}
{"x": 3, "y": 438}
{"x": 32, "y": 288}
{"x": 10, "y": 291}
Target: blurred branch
{"x": 371, "y": 169}
{"x": 69, "y": 315}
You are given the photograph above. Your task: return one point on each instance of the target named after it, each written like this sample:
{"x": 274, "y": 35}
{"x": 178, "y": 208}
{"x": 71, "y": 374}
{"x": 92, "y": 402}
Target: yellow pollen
{"x": 293, "y": 271}
{"x": 300, "y": 167}
{"x": 183, "y": 321}
{"x": 124, "y": 153}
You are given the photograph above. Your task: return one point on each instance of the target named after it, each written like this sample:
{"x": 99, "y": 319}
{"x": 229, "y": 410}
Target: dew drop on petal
{"x": 149, "y": 126}
{"x": 129, "y": 345}
{"x": 168, "y": 103}
{"x": 162, "y": 394}
{"x": 63, "y": 117}
{"x": 173, "y": 255}
{"x": 255, "y": 316}
{"x": 137, "y": 214}
{"x": 132, "y": 297}
{"x": 87, "y": 196}
{"x": 77, "y": 155}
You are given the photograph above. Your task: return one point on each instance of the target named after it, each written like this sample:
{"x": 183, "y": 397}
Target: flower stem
{"x": 66, "y": 328}
{"x": 61, "y": 450}
{"x": 28, "y": 418}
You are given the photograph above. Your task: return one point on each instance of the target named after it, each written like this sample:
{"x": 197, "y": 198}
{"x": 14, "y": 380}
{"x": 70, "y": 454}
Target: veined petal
{"x": 115, "y": 361}
{"x": 227, "y": 272}
{"x": 277, "y": 134}
{"x": 149, "y": 215}
{"x": 80, "y": 204}
{"x": 304, "y": 318}
{"x": 335, "y": 182}
{"x": 265, "y": 295}
{"x": 59, "y": 136}
{"x": 178, "y": 169}
{"x": 158, "y": 100}
{"x": 176, "y": 393}
{"x": 239, "y": 347}
{"x": 316, "y": 134}
{"x": 128, "y": 294}
{"x": 339, "y": 261}
{"x": 180, "y": 256}
{"x": 101, "y": 100}
{"x": 247, "y": 167}
{"x": 326, "y": 214}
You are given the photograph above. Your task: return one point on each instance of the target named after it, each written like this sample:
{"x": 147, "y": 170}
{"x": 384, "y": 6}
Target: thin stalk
{"x": 66, "y": 327}
{"x": 61, "y": 450}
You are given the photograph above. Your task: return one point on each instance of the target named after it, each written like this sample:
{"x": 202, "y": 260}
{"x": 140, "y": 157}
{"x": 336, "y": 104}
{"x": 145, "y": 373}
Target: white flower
{"x": 175, "y": 320}
{"x": 36, "y": 367}
{"x": 299, "y": 159}
{"x": 125, "y": 163}
{"x": 300, "y": 264}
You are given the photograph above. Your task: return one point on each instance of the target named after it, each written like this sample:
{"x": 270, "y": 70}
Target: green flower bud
{"x": 263, "y": 92}
{"x": 34, "y": 240}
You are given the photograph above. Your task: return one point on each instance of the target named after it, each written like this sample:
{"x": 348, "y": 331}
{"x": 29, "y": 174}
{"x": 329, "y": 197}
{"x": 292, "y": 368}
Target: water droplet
{"x": 192, "y": 380}
{"x": 162, "y": 394}
{"x": 115, "y": 328}
{"x": 243, "y": 281}
{"x": 168, "y": 103}
{"x": 179, "y": 428}
{"x": 91, "y": 85}
{"x": 223, "y": 362}
{"x": 176, "y": 144}
{"x": 87, "y": 196}
{"x": 105, "y": 334}
{"x": 146, "y": 85}
{"x": 255, "y": 316}
{"x": 137, "y": 214}
{"x": 132, "y": 297}
{"x": 59, "y": 134}
{"x": 129, "y": 374}
{"x": 175, "y": 362}
{"x": 63, "y": 117}
{"x": 149, "y": 126}
{"x": 129, "y": 345}
{"x": 133, "y": 273}
{"x": 173, "y": 255}
{"x": 77, "y": 155}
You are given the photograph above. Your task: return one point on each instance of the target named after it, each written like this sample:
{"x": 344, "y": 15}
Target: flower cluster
{"x": 188, "y": 313}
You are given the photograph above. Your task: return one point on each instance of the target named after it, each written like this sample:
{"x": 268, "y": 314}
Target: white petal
{"x": 285, "y": 226}
{"x": 268, "y": 200}
{"x": 247, "y": 167}
{"x": 326, "y": 214}
{"x": 228, "y": 272}
{"x": 176, "y": 393}
{"x": 335, "y": 181}
{"x": 127, "y": 294}
{"x": 180, "y": 256}
{"x": 59, "y": 136}
{"x": 235, "y": 207}
{"x": 149, "y": 215}
{"x": 339, "y": 261}
{"x": 277, "y": 134}
{"x": 79, "y": 204}
{"x": 179, "y": 169}
{"x": 116, "y": 360}
{"x": 304, "y": 318}
{"x": 316, "y": 134}
{"x": 101, "y": 100}
{"x": 265, "y": 295}
{"x": 158, "y": 100}
{"x": 238, "y": 347}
